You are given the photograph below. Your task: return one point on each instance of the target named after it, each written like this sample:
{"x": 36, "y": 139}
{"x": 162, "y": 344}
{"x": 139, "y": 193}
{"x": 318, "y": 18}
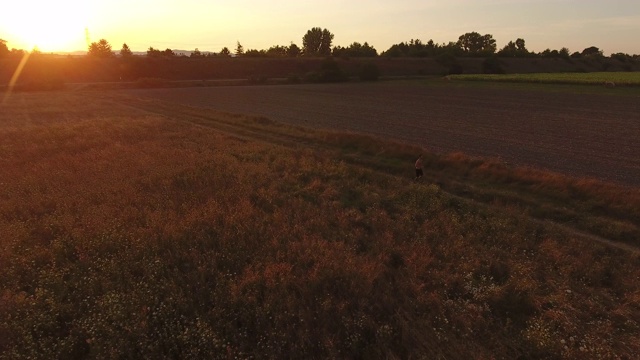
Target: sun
{"x": 48, "y": 25}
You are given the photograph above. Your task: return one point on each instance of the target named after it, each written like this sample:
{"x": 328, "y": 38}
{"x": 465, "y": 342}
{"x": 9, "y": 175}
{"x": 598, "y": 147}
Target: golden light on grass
{"x": 213, "y": 244}
{"x": 15, "y": 77}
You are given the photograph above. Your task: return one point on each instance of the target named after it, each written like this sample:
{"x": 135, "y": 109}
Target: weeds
{"x": 127, "y": 234}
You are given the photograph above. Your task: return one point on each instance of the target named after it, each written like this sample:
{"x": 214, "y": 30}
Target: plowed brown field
{"x": 581, "y": 134}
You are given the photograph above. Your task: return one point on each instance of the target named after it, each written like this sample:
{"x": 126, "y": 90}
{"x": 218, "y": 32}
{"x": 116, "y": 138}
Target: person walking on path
{"x": 419, "y": 166}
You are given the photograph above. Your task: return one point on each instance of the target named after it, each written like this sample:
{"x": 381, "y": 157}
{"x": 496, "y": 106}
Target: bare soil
{"x": 581, "y": 134}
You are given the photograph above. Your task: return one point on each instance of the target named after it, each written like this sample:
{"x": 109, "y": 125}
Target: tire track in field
{"x": 244, "y": 132}
{"x": 584, "y": 135}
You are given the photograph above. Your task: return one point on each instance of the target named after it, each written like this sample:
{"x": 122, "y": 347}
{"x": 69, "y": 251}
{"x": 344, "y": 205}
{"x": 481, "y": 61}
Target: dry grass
{"x": 593, "y": 78}
{"x": 127, "y": 235}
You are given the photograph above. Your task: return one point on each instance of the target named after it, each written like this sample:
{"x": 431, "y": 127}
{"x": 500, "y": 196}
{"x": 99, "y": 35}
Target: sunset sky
{"x": 63, "y": 25}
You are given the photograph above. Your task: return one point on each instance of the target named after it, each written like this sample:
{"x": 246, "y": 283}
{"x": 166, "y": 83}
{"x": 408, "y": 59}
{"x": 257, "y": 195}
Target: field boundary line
{"x": 245, "y": 132}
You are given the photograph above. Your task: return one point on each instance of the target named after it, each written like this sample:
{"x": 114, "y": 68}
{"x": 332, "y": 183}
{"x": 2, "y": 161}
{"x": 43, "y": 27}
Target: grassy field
{"x": 134, "y": 228}
{"x": 593, "y": 78}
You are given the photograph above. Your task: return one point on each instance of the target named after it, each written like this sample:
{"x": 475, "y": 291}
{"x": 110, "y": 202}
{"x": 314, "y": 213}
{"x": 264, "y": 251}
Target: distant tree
{"x": 17, "y": 52}
{"x": 100, "y": 49}
{"x": 125, "y": 51}
{"x": 396, "y": 50}
{"x": 419, "y": 49}
{"x": 366, "y": 50}
{"x": 355, "y": 50}
{"x": 276, "y": 51}
{"x": 293, "y": 50}
{"x": 416, "y": 48}
{"x": 402, "y": 49}
{"x": 474, "y": 44}
{"x": 431, "y": 47}
{"x": 4, "y": 50}
{"x": 239, "y": 49}
{"x": 508, "y": 50}
{"x": 591, "y": 51}
{"x": 255, "y": 53}
{"x": 225, "y": 52}
{"x": 564, "y": 53}
{"x": 167, "y": 53}
{"x": 339, "y": 51}
{"x": 514, "y": 49}
{"x": 317, "y": 42}
{"x": 548, "y": 53}
{"x": 196, "y": 54}
{"x": 622, "y": 57}
{"x": 452, "y": 47}
{"x": 151, "y": 52}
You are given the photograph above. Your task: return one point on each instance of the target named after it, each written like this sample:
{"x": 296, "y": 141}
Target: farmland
{"x": 138, "y": 228}
{"x": 596, "y": 78}
{"x": 581, "y": 132}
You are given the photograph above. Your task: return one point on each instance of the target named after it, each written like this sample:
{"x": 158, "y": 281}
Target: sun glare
{"x": 49, "y": 25}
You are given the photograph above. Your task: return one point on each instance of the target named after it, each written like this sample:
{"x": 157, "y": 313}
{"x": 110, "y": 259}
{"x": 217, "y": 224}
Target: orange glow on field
{"x": 49, "y": 26}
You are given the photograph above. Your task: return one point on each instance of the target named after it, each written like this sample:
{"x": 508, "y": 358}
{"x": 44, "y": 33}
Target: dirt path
{"x": 585, "y": 135}
{"x": 591, "y": 237}
{"x": 276, "y": 138}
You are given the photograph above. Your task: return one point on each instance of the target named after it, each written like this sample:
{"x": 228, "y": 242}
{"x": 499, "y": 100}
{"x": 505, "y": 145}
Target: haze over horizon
{"x": 69, "y": 25}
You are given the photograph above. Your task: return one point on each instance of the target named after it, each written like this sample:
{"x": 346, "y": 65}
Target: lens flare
{"x": 15, "y": 77}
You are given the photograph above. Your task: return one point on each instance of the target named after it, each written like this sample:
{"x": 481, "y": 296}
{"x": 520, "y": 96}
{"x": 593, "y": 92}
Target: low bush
{"x": 329, "y": 72}
{"x": 369, "y": 72}
{"x": 450, "y": 62}
{"x": 492, "y": 65}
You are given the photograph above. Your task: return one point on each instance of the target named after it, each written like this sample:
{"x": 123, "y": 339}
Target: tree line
{"x": 318, "y": 42}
